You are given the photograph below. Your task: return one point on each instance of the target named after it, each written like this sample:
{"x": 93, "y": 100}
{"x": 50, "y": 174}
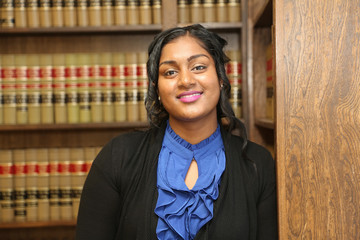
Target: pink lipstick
{"x": 188, "y": 97}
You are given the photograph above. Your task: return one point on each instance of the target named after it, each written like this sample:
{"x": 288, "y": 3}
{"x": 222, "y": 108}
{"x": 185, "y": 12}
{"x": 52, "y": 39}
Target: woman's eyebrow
{"x": 171, "y": 62}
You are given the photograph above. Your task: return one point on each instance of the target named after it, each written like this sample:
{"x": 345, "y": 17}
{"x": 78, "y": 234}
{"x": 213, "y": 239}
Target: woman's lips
{"x": 188, "y": 97}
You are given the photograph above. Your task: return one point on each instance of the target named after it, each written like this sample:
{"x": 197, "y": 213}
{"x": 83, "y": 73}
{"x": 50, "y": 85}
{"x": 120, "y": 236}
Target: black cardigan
{"x": 120, "y": 193}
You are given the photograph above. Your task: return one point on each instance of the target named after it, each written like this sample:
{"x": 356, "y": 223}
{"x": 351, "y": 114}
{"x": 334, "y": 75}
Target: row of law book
{"x": 73, "y": 88}
{"x": 82, "y": 13}
{"x": 234, "y": 73}
{"x": 42, "y": 184}
{"x": 270, "y": 80}
{"x": 195, "y": 11}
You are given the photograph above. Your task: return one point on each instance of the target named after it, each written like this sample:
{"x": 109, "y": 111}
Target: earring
{"x": 222, "y": 85}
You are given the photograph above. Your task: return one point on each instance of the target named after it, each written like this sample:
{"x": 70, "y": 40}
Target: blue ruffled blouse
{"x": 182, "y": 212}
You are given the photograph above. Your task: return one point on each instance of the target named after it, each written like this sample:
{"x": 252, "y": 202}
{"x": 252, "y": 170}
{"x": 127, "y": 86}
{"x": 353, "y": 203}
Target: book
{"x": 183, "y": 11}
{"x": 106, "y": 86}
{"x": 82, "y": 13}
{"x": 156, "y": 12}
{"x": 269, "y": 82}
{"x": 234, "y": 10}
{"x": 94, "y": 12}
{"x": 58, "y": 73}
{"x": 21, "y": 91}
{"x": 43, "y": 184}
{"x": 221, "y": 11}
{"x": 33, "y": 88}
{"x": 69, "y": 10}
{"x": 234, "y": 73}
{"x": 32, "y": 13}
{"x": 142, "y": 84}
{"x": 132, "y": 12}
{"x": 82, "y": 72}
{"x": 120, "y": 12}
{"x": 6, "y": 186}
{"x": 132, "y": 93}
{"x": 107, "y": 13}
{"x": 46, "y": 88}
{"x": 145, "y": 12}
{"x": 66, "y": 209}
{"x": 118, "y": 73}
{"x": 89, "y": 156}
{"x": 20, "y": 13}
{"x": 57, "y": 13}
{"x": 8, "y": 87}
{"x": 45, "y": 13}
{"x": 7, "y": 14}
{"x": 19, "y": 185}
{"x": 31, "y": 184}
{"x": 54, "y": 184}
{"x": 196, "y": 11}
{"x": 95, "y": 89}
{"x": 209, "y": 10}
{"x": 78, "y": 174}
{"x": 71, "y": 85}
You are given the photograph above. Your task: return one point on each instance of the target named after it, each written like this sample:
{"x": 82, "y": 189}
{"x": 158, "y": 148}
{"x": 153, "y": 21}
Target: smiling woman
{"x": 187, "y": 177}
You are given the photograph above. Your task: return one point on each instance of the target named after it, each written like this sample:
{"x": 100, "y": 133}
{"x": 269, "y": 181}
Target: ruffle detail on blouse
{"x": 182, "y": 212}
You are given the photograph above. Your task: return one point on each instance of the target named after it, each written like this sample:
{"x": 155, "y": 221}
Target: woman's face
{"x": 188, "y": 84}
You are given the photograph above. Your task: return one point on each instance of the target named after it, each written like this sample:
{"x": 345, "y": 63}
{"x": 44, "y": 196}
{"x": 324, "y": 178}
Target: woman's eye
{"x": 199, "y": 68}
{"x": 169, "y": 73}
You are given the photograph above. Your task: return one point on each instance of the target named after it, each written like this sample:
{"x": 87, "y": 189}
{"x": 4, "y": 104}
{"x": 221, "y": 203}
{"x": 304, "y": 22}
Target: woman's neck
{"x": 193, "y": 131}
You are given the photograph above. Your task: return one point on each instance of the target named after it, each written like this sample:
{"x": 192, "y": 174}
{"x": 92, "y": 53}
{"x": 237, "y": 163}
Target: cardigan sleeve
{"x": 100, "y": 200}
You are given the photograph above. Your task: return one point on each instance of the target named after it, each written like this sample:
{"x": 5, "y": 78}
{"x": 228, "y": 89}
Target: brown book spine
{"x": 69, "y": 11}
{"x": 118, "y": 73}
{"x": 95, "y": 89}
{"x": 43, "y": 185}
{"x": 221, "y": 11}
{"x": 196, "y": 11}
{"x": 7, "y": 14}
{"x": 120, "y": 12}
{"x": 6, "y": 186}
{"x": 209, "y": 10}
{"x": 107, "y": 12}
{"x": 106, "y": 85}
{"x": 66, "y": 212}
{"x": 82, "y": 13}
{"x": 142, "y": 84}
{"x": 82, "y": 72}
{"x": 145, "y": 12}
{"x": 19, "y": 185}
{"x": 32, "y": 12}
{"x": 46, "y": 89}
{"x": 234, "y": 10}
{"x": 57, "y": 13}
{"x": 21, "y": 90}
{"x": 78, "y": 175}
{"x": 33, "y": 88}
{"x": 133, "y": 12}
{"x": 94, "y": 12}
{"x": 45, "y": 13}
{"x": 31, "y": 175}
{"x": 234, "y": 73}
{"x": 183, "y": 11}
{"x": 20, "y": 13}
{"x": 269, "y": 83}
{"x": 58, "y": 73}
{"x": 54, "y": 184}
{"x": 132, "y": 93}
{"x": 156, "y": 12}
{"x": 9, "y": 93}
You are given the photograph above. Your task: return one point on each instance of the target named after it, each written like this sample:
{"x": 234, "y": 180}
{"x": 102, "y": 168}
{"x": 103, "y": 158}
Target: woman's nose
{"x": 186, "y": 79}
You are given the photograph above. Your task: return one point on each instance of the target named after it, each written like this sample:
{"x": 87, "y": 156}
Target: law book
{"x": 82, "y": 72}
{"x": 45, "y": 13}
{"x": 21, "y": 90}
{"x": 46, "y": 88}
{"x": 20, "y": 13}
{"x": 118, "y": 73}
{"x": 132, "y": 12}
{"x": 132, "y": 93}
{"x": 7, "y": 14}
{"x": 33, "y": 88}
{"x": 32, "y": 13}
{"x": 69, "y": 11}
{"x": 107, "y": 12}
{"x": 9, "y": 90}
{"x": 43, "y": 184}
{"x": 54, "y": 184}
{"x": 1, "y": 95}
{"x": 234, "y": 73}
{"x": 19, "y": 185}
{"x": 183, "y": 10}
{"x": 31, "y": 184}
{"x": 221, "y": 11}
{"x": 142, "y": 84}
{"x": 95, "y": 89}
{"x": 82, "y": 13}
{"x": 269, "y": 83}
{"x": 58, "y": 73}
{"x": 145, "y": 12}
{"x": 57, "y": 13}
{"x": 106, "y": 86}
{"x": 89, "y": 156}
{"x": 94, "y": 12}
{"x": 234, "y": 10}
{"x": 196, "y": 11}
{"x": 209, "y": 10}
{"x": 6, "y": 186}
{"x": 72, "y": 101}
{"x": 78, "y": 175}
{"x": 66, "y": 209}
{"x": 156, "y": 12}
{"x": 120, "y": 12}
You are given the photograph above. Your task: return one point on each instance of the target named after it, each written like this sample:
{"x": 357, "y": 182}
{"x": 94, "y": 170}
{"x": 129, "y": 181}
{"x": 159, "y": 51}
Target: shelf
{"x": 80, "y": 30}
{"x": 218, "y": 25}
{"x": 264, "y": 17}
{"x": 265, "y": 123}
{"x": 70, "y": 223}
{"x": 85, "y": 126}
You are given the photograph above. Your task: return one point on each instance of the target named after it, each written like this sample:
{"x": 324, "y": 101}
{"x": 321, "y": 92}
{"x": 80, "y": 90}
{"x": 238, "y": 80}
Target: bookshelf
{"x": 90, "y": 39}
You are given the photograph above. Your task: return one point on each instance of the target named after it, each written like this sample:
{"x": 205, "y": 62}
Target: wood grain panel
{"x": 318, "y": 118}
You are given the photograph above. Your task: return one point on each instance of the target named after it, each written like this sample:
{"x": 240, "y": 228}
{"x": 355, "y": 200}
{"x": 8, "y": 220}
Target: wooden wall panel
{"x": 318, "y": 118}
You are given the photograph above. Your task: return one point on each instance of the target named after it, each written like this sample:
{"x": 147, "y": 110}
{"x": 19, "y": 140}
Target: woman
{"x": 187, "y": 177}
